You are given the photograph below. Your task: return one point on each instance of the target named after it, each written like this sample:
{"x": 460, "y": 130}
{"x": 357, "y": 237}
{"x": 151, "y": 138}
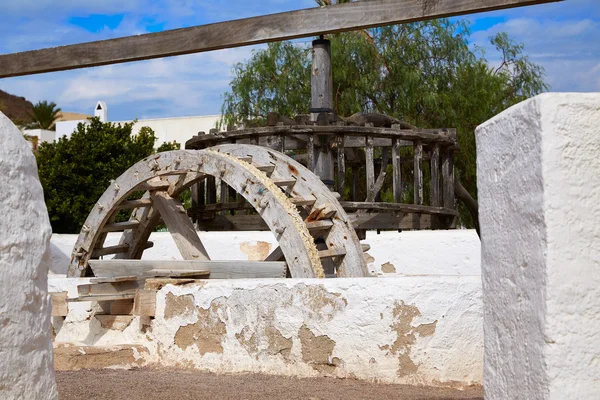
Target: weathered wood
{"x": 397, "y": 171}
{"x": 211, "y": 190}
{"x": 121, "y": 307}
{"x": 59, "y": 304}
{"x": 131, "y": 204}
{"x": 418, "y": 172}
{"x": 340, "y": 233}
{"x": 448, "y": 178}
{"x": 120, "y": 226}
{"x": 106, "y": 297}
{"x": 394, "y": 221}
{"x": 117, "y": 249}
{"x": 330, "y": 253}
{"x": 378, "y": 185}
{"x": 236, "y": 269}
{"x": 436, "y": 198}
{"x": 284, "y": 182}
{"x": 370, "y": 167}
{"x": 425, "y": 135}
{"x": 321, "y": 77}
{"x": 179, "y": 273}
{"x": 341, "y": 162}
{"x": 407, "y": 208}
{"x": 144, "y": 304}
{"x": 277, "y": 211}
{"x": 180, "y": 227}
{"x": 244, "y": 32}
{"x": 101, "y": 289}
{"x": 276, "y": 255}
{"x": 310, "y": 152}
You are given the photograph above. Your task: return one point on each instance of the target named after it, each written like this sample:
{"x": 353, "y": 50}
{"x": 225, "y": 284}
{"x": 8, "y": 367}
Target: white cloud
{"x": 567, "y": 49}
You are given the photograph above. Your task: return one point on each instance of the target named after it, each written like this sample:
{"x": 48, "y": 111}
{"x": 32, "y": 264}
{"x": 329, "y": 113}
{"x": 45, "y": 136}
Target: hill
{"x": 18, "y": 109}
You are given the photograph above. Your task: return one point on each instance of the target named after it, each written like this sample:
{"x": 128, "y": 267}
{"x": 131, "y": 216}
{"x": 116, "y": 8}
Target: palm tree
{"x": 44, "y": 115}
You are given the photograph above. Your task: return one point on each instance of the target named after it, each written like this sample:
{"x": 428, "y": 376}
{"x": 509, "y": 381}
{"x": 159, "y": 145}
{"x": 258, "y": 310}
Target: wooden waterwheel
{"x": 306, "y": 218}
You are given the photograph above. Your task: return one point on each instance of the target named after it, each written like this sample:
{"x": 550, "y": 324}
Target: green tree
{"x": 44, "y": 115}
{"x": 75, "y": 172}
{"x": 424, "y": 73}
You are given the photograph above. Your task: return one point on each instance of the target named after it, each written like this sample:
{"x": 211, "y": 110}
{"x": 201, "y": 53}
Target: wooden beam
{"x": 180, "y": 227}
{"x": 236, "y": 269}
{"x": 244, "y": 32}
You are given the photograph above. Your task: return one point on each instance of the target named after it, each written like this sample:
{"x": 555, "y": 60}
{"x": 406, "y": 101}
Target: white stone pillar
{"x": 538, "y": 167}
{"x": 26, "y": 370}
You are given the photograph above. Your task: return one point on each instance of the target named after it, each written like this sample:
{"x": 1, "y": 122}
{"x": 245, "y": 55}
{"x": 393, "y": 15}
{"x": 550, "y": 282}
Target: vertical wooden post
{"x": 322, "y": 77}
{"x": 370, "y": 166}
{"x": 418, "y": 158}
{"x": 397, "y": 171}
{"x": 322, "y": 103}
{"x": 435, "y": 176}
{"x": 211, "y": 190}
{"x": 310, "y": 153}
{"x": 341, "y": 166}
{"x": 448, "y": 177}
{"x": 355, "y": 170}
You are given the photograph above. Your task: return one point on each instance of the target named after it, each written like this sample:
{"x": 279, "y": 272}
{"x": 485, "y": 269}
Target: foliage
{"x": 424, "y": 73}
{"x": 44, "y": 115}
{"x": 75, "y": 172}
{"x": 167, "y": 146}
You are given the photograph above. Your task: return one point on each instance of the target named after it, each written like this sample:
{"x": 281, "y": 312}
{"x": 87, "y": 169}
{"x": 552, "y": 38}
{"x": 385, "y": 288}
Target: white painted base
{"x": 413, "y": 330}
{"x": 539, "y": 192}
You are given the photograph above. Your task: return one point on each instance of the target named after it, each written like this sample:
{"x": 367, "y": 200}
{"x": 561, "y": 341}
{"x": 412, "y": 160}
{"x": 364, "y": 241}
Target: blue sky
{"x": 562, "y": 37}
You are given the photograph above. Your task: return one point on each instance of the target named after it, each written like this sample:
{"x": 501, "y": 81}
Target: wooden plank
{"x": 330, "y": 253}
{"x": 302, "y": 202}
{"x": 236, "y": 269}
{"x": 107, "y": 297}
{"x": 436, "y": 198}
{"x": 407, "y": 208}
{"x": 448, "y": 178}
{"x": 397, "y": 171}
{"x": 319, "y": 225}
{"x": 418, "y": 172}
{"x": 381, "y": 177}
{"x": 120, "y": 226}
{"x": 310, "y": 151}
{"x": 180, "y": 227}
{"x": 244, "y": 32}
{"x": 118, "y": 249}
{"x": 405, "y": 135}
{"x": 179, "y": 273}
{"x": 144, "y": 304}
{"x": 59, "y": 304}
{"x": 284, "y": 182}
{"x": 370, "y": 167}
{"x": 341, "y": 160}
{"x": 211, "y": 190}
{"x": 102, "y": 289}
{"x": 131, "y": 204}
{"x": 121, "y": 307}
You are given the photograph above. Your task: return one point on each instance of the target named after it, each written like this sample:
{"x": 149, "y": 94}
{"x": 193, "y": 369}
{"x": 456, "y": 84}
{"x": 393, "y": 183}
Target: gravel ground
{"x": 164, "y": 384}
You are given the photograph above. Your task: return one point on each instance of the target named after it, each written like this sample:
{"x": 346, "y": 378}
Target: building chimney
{"x": 101, "y": 111}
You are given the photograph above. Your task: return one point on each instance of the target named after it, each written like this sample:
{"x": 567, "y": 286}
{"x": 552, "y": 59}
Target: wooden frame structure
{"x": 244, "y": 32}
{"x": 287, "y": 196}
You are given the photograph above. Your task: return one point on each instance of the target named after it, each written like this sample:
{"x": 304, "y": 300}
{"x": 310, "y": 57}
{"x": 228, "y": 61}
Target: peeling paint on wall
{"x": 256, "y": 251}
{"x": 406, "y": 336}
{"x": 207, "y": 334}
{"x": 388, "y": 268}
{"x": 317, "y": 350}
{"x": 178, "y": 305}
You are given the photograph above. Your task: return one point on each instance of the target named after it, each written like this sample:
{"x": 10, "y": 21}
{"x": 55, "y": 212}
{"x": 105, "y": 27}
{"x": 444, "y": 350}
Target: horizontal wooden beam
{"x": 244, "y": 32}
{"x": 237, "y": 269}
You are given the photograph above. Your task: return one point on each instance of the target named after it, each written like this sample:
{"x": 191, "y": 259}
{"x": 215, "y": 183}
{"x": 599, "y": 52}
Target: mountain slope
{"x": 16, "y": 108}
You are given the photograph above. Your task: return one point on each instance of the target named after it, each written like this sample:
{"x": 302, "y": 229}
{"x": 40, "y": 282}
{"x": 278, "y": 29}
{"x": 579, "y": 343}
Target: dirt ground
{"x": 164, "y": 384}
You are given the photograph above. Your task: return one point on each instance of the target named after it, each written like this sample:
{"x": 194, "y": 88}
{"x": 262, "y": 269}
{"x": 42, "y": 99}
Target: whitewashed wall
{"x": 452, "y": 252}
{"x": 25, "y": 342}
{"x": 418, "y": 325}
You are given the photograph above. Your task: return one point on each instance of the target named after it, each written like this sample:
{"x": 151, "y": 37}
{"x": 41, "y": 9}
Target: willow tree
{"x": 425, "y": 73}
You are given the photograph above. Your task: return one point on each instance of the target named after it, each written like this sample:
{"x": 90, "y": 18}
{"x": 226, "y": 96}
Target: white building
{"x": 179, "y": 129}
